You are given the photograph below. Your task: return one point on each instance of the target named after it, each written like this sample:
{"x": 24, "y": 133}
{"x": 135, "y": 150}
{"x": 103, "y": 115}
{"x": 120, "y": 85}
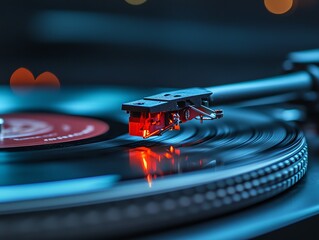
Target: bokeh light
{"x": 23, "y": 79}
{"x": 135, "y": 2}
{"x": 278, "y": 6}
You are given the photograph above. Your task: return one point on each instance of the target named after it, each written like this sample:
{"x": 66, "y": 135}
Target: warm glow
{"x": 135, "y": 2}
{"x": 149, "y": 180}
{"x": 23, "y": 78}
{"x": 150, "y": 162}
{"x": 145, "y": 164}
{"x": 146, "y": 133}
{"x": 278, "y": 6}
{"x": 171, "y": 149}
{"x": 155, "y": 162}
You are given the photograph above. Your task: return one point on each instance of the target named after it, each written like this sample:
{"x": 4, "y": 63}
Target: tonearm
{"x": 154, "y": 115}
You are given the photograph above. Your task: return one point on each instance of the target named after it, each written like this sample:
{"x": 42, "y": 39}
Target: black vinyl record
{"x": 116, "y": 185}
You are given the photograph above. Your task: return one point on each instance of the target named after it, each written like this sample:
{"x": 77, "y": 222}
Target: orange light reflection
{"x": 164, "y": 160}
{"x": 151, "y": 162}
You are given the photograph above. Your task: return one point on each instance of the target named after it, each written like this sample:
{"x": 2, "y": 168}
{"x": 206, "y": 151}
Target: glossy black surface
{"x": 241, "y": 138}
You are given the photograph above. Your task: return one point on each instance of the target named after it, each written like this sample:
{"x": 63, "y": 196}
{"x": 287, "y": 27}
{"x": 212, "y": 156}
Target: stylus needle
{"x": 1, "y": 129}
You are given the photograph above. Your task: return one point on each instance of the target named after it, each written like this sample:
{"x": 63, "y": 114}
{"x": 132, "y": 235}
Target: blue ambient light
{"x": 56, "y": 188}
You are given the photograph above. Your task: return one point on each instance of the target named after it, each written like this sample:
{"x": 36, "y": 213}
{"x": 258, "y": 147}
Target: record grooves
{"x": 130, "y": 185}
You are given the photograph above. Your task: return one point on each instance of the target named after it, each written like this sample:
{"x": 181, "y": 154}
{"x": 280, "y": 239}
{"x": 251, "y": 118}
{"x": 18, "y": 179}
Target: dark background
{"x": 162, "y": 43}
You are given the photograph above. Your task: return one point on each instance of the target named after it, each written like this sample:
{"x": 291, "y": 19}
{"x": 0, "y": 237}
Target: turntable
{"x": 135, "y": 119}
{"x": 70, "y": 169}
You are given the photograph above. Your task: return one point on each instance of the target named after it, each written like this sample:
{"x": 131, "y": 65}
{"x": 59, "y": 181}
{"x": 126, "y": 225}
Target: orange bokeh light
{"x": 278, "y": 6}
{"x": 135, "y": 2}
{"x": 23, "y": 78}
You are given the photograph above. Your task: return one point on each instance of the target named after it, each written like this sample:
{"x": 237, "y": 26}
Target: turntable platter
{"x": 200, "y": 172}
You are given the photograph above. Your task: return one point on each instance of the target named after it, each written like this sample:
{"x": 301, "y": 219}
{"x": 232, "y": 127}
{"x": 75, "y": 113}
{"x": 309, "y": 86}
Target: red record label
{"x": 25, "y": 129}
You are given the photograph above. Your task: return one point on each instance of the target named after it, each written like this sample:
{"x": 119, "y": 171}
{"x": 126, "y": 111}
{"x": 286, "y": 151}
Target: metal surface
{"x": 169, "y": 101}
{"x": 294, "y": 82}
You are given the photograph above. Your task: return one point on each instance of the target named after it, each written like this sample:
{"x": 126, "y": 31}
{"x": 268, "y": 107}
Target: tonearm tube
{"x": 154, "y": 115}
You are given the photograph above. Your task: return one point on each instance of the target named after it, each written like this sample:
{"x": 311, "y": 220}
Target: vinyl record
{"x": 112, "y": 184}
